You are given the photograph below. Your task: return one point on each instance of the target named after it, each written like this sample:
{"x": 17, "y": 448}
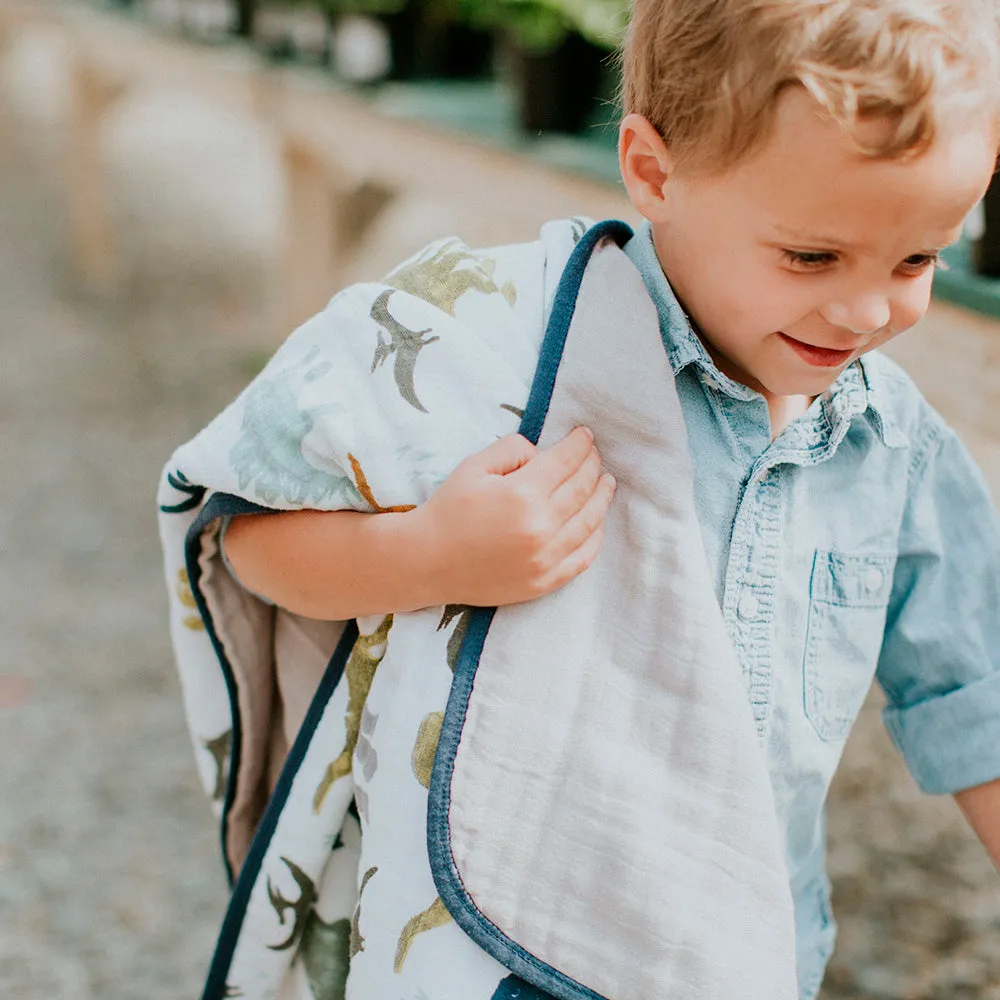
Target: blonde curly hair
{"x": 708, "y": 73}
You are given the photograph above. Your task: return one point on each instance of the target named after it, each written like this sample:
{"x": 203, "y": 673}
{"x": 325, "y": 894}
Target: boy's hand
{"x": 513, "y": 522}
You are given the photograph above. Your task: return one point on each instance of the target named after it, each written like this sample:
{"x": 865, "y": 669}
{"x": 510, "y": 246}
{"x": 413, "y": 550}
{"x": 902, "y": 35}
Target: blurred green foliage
{"x": 541, "y": 25}
{"x": 536, "y": 25}
{"x": 335, "y": 7}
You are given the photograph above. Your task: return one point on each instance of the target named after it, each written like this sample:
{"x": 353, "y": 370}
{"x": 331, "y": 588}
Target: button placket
{"x": 751, "y": 579}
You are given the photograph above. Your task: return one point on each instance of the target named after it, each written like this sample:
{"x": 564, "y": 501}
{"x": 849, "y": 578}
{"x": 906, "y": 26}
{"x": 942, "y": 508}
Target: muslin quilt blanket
{"x": 564, "y": 797}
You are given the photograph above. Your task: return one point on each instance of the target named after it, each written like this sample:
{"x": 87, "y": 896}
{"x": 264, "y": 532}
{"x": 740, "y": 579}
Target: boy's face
{"x": 807, "y": 255}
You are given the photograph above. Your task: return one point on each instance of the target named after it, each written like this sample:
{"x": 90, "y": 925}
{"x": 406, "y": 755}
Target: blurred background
{"x": 181, "y": 183}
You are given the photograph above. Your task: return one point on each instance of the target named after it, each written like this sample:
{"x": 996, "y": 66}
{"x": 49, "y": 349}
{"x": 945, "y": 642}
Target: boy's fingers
{"x": 553, "y": 466}
{"x": 572, "y": 494}
{"x": 588, "y": 520}
{"x": 581, "y": 558}
{"x": 505, "y": 456}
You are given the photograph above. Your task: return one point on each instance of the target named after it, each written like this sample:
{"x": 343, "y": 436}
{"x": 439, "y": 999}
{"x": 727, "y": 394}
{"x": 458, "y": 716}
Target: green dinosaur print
{"x": 434, "y": 916}
{"x": 220, "y": 748}
{"x": 425, "y": 748}
{"x": 325, "y": 951}
{"x": 463, "y": 612}
{"x": 194, "y": 493}
{"x": 446, "y": 274}
{"x": 357, "y": 941}
{"x": 516, "y": 410}
{"x": 324, "y": 948}
{"x": 269, "y": 454}
{"x": 404, "y": 343}
{"x": 359, "y": 673}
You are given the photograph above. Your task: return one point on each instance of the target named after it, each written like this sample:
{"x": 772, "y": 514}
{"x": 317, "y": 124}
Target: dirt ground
{"x": 110, "y": 885}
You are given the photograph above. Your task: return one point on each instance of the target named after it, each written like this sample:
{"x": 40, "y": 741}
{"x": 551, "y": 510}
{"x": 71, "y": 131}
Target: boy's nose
{"x": 864, "y": 316}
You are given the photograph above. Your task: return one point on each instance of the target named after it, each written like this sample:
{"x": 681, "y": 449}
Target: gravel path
{"x": 108, "y": 875}
{"x": 110, "y": 886}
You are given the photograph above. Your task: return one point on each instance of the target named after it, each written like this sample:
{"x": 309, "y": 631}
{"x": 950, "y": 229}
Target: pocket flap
{"x": 852, "y": 581}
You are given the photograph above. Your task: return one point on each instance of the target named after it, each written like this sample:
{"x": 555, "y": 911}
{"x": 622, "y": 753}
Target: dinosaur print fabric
{"x": 369, "y": 406}
{"x": 562, "y": 798}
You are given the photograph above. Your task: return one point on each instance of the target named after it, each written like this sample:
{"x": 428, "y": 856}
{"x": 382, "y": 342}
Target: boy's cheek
{"x": 910, "y": 308}
{"x": 884, "y": 338}
{"x": 922, "y": 298}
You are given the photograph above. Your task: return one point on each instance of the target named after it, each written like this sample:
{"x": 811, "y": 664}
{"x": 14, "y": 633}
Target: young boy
{"x": 801, "y": 164}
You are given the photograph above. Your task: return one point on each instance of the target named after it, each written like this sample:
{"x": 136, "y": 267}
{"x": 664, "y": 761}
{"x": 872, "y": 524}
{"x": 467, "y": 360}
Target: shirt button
{"x": 874, "y": 579}
{"x": 748, "y": 606}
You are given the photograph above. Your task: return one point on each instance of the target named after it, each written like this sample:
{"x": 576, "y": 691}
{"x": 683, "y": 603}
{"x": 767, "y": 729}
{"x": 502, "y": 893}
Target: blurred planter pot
{"x": 986, "y": 249}
{"x": 452, "y": 50}
{"x": 556, "y": 88}
{"x": 243, "y": 21}
{"x": 402, "y": 26}
{"x": 423, "y": 43}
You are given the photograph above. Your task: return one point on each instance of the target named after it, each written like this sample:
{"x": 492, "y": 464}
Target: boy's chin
{"x": 781, "y": 379}
{"x": 802, "y": 385}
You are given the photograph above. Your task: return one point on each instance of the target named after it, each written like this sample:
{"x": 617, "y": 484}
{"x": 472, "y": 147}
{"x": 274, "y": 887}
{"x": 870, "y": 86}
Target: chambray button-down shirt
{"x": 861, "y": 542}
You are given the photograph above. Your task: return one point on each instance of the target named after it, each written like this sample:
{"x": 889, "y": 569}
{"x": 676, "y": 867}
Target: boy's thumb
{"x": 507, "y": 455}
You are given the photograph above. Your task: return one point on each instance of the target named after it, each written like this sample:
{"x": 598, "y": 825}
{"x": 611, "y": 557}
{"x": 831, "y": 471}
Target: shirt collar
{"x": 860, "y": 388}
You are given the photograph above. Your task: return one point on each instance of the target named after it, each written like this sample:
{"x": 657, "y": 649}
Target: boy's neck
{"x": 782, "y": 410}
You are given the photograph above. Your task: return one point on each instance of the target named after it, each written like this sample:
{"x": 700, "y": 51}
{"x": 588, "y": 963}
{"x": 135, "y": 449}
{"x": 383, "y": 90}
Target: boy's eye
{"x": 809, "y": 259}
{"x": 812, "y": 260}
{"x": 918, "y": 262}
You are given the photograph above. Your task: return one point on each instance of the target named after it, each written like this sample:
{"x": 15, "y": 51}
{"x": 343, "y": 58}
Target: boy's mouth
{"x": 820, "y": 357}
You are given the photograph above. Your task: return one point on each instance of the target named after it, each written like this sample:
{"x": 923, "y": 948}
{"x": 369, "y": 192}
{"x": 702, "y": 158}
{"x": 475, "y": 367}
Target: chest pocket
{"x": 847, "y": 608}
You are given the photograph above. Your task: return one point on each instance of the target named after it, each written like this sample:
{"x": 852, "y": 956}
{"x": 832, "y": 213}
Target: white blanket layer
{"x": 561, "y": 798}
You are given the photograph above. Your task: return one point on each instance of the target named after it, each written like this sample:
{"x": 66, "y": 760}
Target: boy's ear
{"x": 645, "y": 164}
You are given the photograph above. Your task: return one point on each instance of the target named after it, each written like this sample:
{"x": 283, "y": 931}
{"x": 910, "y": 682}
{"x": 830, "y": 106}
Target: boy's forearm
{"x": 981, "y": 806}
{"x": 511, "y": 523}
{"x": 335, "y": 565}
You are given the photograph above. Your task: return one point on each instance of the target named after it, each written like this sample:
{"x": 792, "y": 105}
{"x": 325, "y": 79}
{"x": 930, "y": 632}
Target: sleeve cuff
{"x": 951, "y": 742}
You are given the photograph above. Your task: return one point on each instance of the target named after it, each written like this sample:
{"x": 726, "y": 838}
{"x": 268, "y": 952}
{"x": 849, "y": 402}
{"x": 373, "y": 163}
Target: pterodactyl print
{"x": 404, "y": 343}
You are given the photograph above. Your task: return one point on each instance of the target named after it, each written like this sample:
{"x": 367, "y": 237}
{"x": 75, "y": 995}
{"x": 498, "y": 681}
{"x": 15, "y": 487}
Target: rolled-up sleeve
{"x": 940, "y": 660}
